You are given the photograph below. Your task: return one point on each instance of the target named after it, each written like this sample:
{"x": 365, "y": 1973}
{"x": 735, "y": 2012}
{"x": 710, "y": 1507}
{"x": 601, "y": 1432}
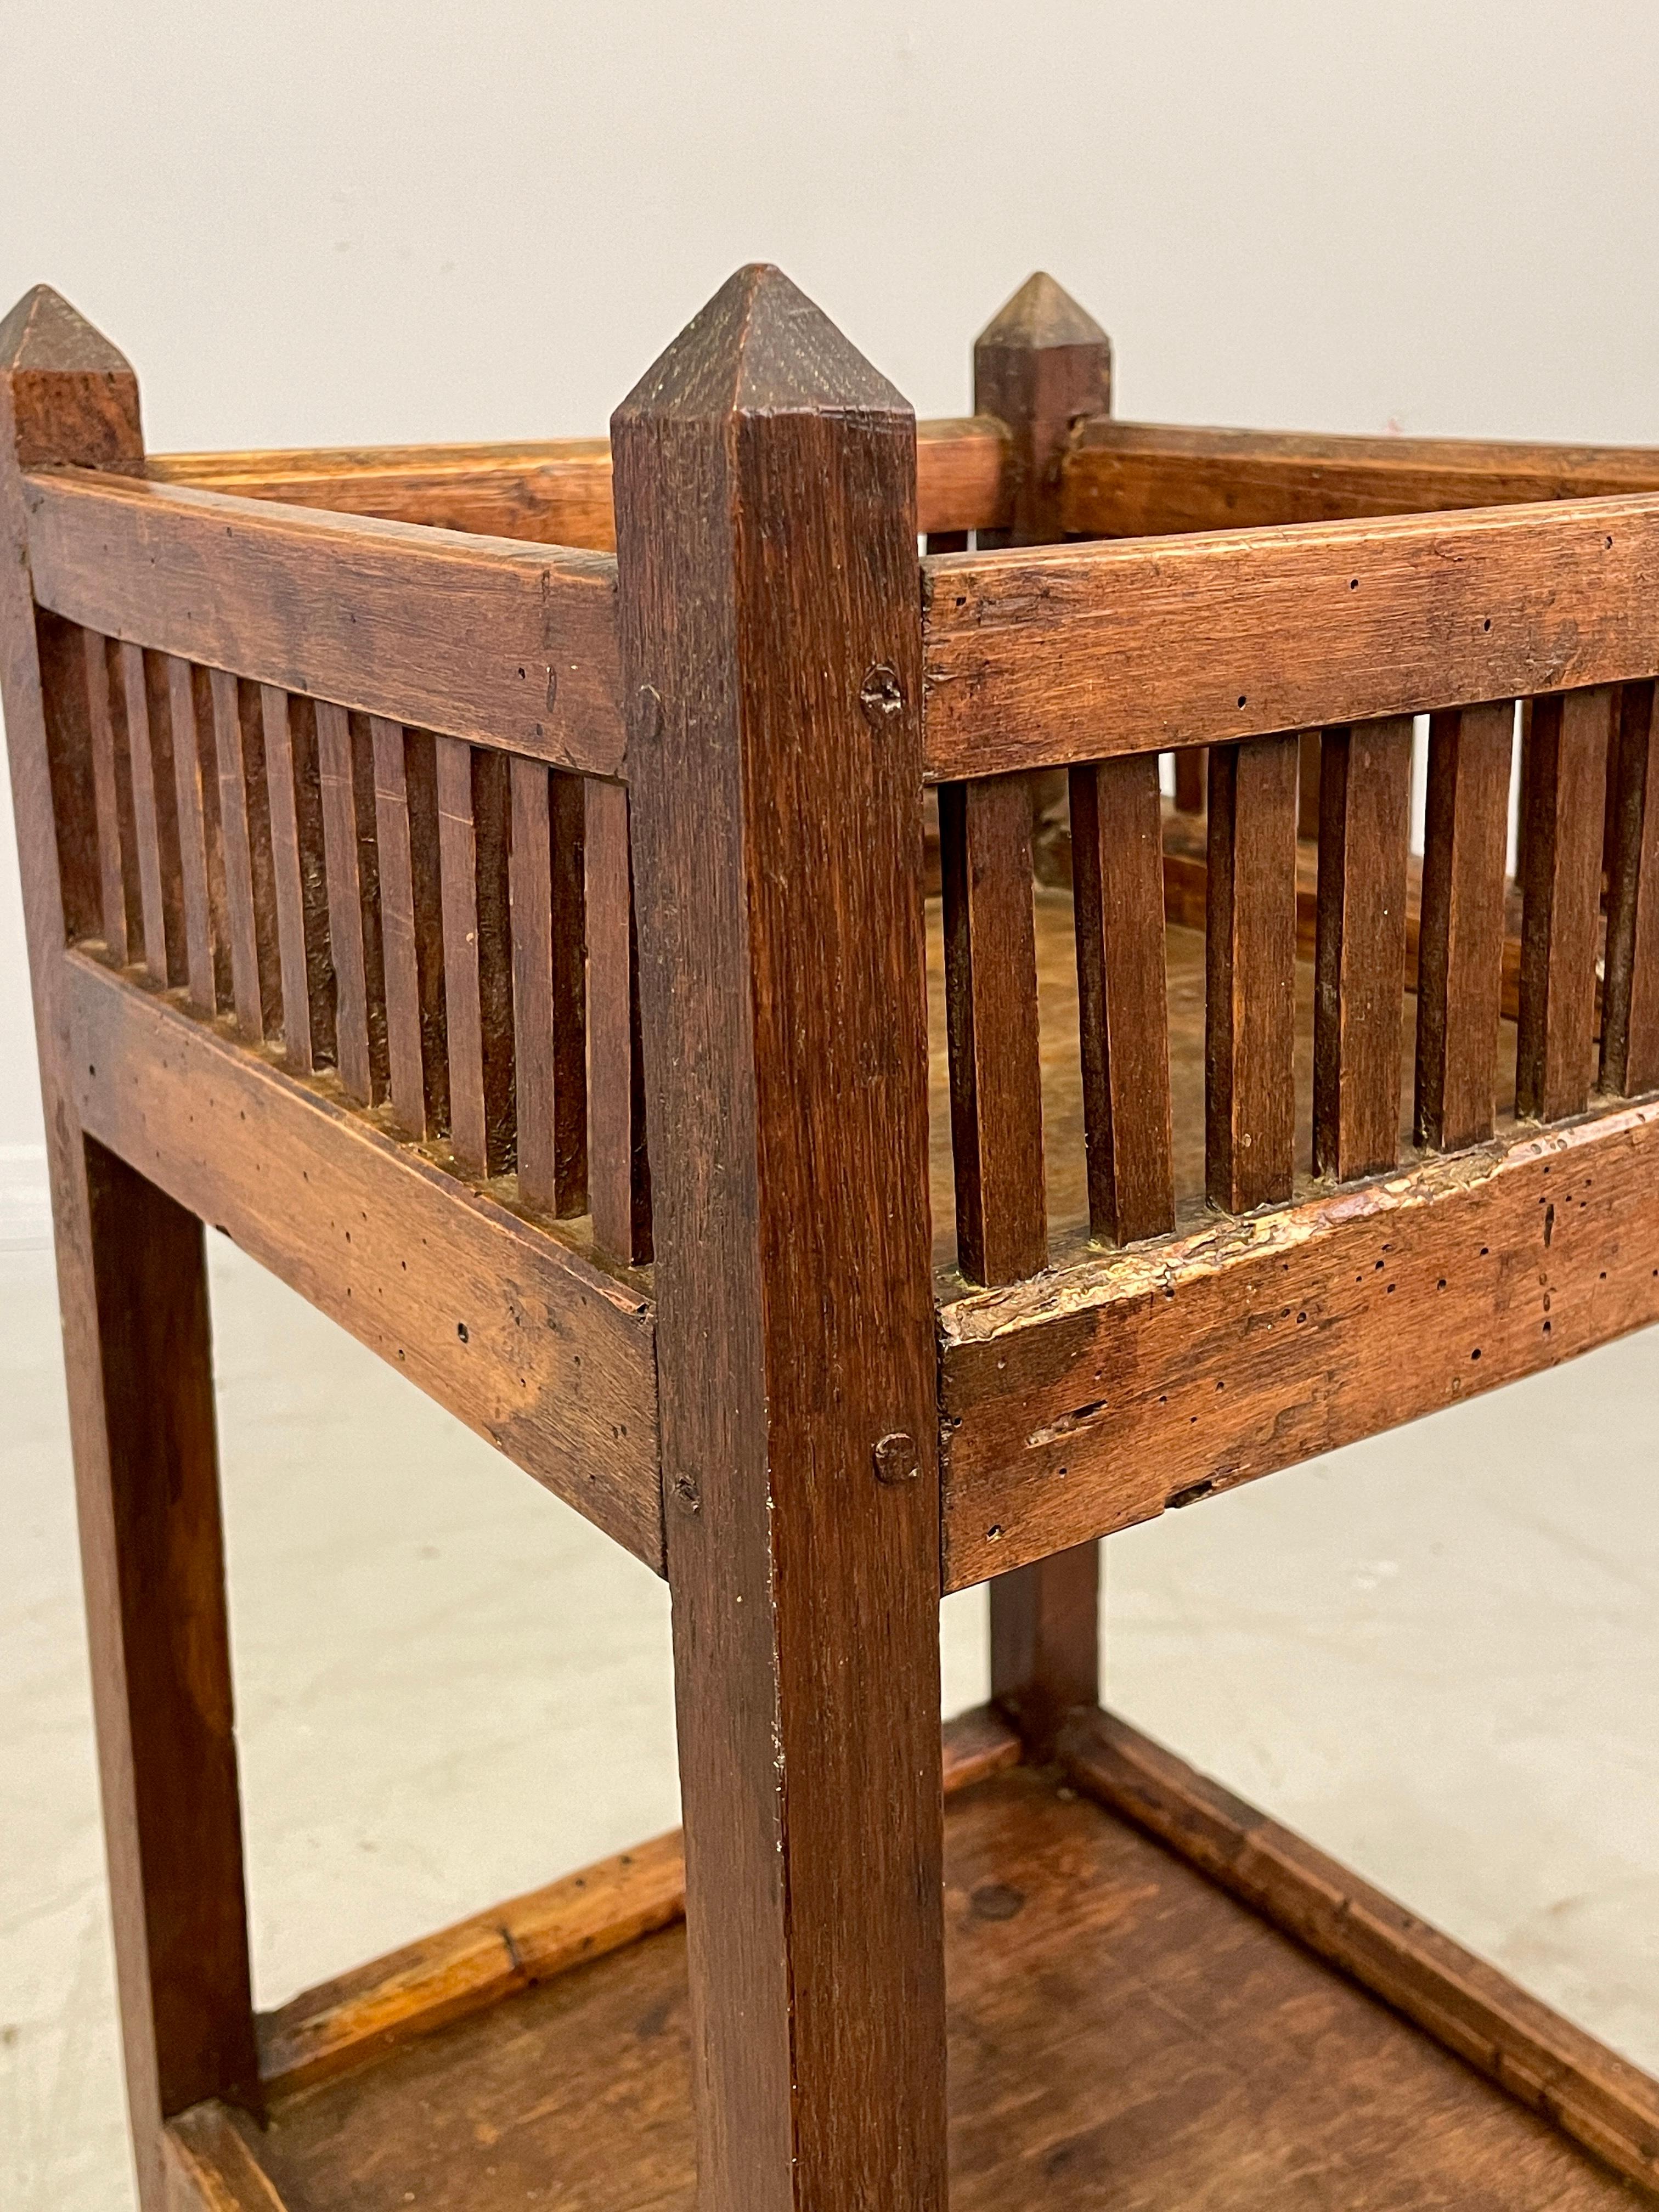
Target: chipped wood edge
{"x": 1587, "y": 2092}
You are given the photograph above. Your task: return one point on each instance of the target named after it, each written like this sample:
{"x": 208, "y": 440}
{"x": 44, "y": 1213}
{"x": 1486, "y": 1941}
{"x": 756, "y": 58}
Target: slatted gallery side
{"x": 445, "y": 928}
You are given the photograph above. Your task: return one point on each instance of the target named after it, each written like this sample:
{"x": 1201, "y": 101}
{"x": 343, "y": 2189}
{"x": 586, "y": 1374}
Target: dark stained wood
{"x": 473, "y": 817}
{"x": 1124, "y": 2034}
{"x": 1117, "y": 854}
{"x": 1462, "y": 930}
{"x": 499, "y": 643}
{"x": 558, "y": 490}
{"x": 618, "y": 1161}
{"x": 1630, "y": 1018}
{"x": 1040, "y": 366}
{"x": 1078, "y": 1405}
{"x": 299, "y": 878}
{"x": 766, "y": 528}
{"x": 1561, "y": 875}
{"x": 412, "y": 927}
{"x": 239, "y": 738}
{"x": 1249, "y": 1092}
{"x": 62, "y": 661}
{"x": 1364, "y": 833}
{"x": 1564, "y": 2074}
{"x": 1045, "y": 1644}
{"x": 532, "y": 1347}
{"x": 550, "y": 1012}
{"x": 155, "y": 820}
{"x": 121, "y": 913}
{"x": 1044, "y": 654}
{"x": 133, "y": 1293}
{"x": 201, "y": 847}
{"x": 345, "y": 774}
{"x": 1143, "y": 479}
{"x": 991, "y": 1005}
{"x": 358, "y": 2016}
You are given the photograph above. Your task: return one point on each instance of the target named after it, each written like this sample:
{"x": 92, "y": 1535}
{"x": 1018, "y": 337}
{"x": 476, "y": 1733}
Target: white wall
{"x": 333, "y": 220}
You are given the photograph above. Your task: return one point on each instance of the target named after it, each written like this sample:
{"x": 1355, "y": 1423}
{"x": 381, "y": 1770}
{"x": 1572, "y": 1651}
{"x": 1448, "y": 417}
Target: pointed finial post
{"x": 133, "y": 1286}
{"x": 1039, "y": 366}
{"x": 765, "y": 493}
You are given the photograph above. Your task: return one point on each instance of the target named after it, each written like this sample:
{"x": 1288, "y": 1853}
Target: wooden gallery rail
{"x": 514, "y": 931}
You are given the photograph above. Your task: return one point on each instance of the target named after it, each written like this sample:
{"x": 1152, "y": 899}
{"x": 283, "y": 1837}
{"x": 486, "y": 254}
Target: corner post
{"x": 133, "y": 1288}
{"x": 765, "y": 489}
{"x": 1039, "y": 366}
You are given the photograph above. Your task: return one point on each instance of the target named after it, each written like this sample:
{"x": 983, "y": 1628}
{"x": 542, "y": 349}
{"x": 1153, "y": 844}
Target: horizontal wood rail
{"x": 1098, "y": 1395}
{"x": 1043, "y": 655}
{"x": 362, "y": 2014}
{"x": 1152, "y": 479}
{"x": 1583, "y": 2088}
{"x": 549, "y": 1359}
{"x": 477, "y": 638}
{"x": 557, "y": 491}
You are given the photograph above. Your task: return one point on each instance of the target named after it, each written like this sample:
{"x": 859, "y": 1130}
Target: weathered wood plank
{"x": 991, "y": 1015}
{"x": 473, "y": 815}
{"x": 117, "y": 859}
{"x": 1249, "y": 1032}
{"x": 1044, "y": 654}
{"x": 618, "y": 1163}
{"x": 1462, "y": 924}
{"x": 360, "y": 2014}
{"x": 299, "y": 878}
{"x": 480, "y": 638}
{"x": 351, "y": 861}
{"x": 256, "y": 989}
{"x": 1359, "y": 963}
{"x": 412, "y": 927}
{"x": 1630, "y": 1005}
{"x": 1117, "y": 860}
{"x": 558, "y": 490}
{"x": 1147, "y": 479}
{"x": 155, "y": 807}
{"x": 548, "y": 989}
{"x": 1576, "y": 2083}
{"x": 533, "y": 1349}
{"x": 1561, "y": 840}
{"x": 1086, "y": 1402}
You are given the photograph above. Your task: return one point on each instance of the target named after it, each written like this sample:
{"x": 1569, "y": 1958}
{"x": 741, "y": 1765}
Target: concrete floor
{"x": 1436, "y": 1655}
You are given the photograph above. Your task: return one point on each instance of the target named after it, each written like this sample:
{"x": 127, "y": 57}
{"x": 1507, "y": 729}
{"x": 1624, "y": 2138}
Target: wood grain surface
{"x": 526, "y": 1342}
{"x": 1100, "y": 1395}
{"x": 480, "y": 638}
{"x": 1045, "y": 654}
{"x": 1259, "y": 2080}
{"x": 771, "y": 648}
{"x": 557, "y": 491}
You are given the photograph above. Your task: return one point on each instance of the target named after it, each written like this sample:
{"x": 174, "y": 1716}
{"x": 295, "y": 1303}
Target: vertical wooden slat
{"x": 156, "y": 825}
{"x": 1117, "y": 881}
{"x": 1460, "y": 950}
{"x": 411, "y": 925}
{"x": 351, "y": 851}
{"x": 618, "y": 1168}
{"x": 1561, "y": 902}
{"x": 473, "y": 815}
{"x": 289, "y": 725}
{"x": 112, "y": 772}
{"x": 250, "y": 877}
{"x": 201, "y": 858}
{"x": 1630, "y": 998}
{"x": 1359, "y": 968}
{"x": 991, "y": 1016}
{"x": 1249, "y": 1026}
{"x": 549, "y": 974}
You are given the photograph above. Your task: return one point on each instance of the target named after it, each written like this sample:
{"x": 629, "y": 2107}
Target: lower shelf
{"x": 1124, "y": 2034}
